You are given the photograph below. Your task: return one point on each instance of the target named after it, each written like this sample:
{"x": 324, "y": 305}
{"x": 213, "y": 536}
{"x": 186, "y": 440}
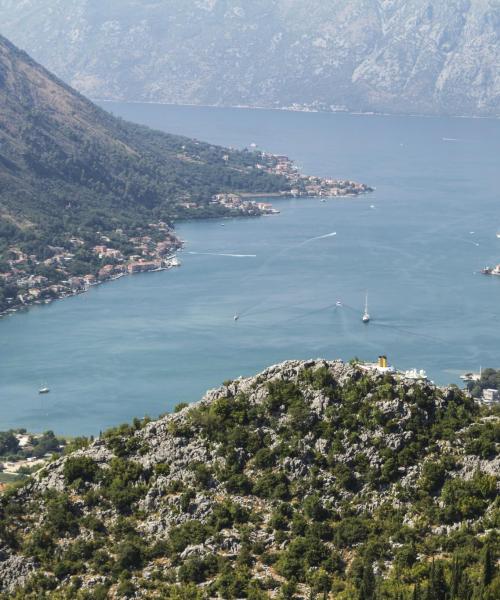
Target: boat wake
{"x": 319, "y": 237}
{"x": 225, "y": 254}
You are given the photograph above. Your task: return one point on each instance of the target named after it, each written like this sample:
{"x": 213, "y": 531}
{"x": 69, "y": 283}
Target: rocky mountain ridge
{"x": 313, "y": 477}
{"x": 397, "y": 56}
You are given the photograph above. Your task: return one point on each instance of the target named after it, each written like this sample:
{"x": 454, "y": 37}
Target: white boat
{"x": 498, "y": 235}
{"x": 415, "y": 375}
{"x": 43, "y": 389}
{"x": 366, "y": 315}
{"x": 236, "y": 317}
{"x": 338, "y": 303}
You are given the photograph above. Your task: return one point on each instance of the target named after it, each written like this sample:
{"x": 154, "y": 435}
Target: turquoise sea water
{"x": 141, "y": 344}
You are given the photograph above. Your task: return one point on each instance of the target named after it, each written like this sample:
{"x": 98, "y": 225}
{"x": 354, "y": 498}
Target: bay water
{"x": 142, "y": 344}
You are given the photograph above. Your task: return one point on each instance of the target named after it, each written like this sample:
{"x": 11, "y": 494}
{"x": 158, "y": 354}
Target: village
{"x": 299, "y": 186}
{"x": 31, "y": 280}
{"x": 310, "y": 185}
{"x": 85, "y": 261}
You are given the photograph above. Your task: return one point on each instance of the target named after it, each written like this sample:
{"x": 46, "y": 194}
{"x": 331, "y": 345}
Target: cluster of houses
{"x": 250, "y": 207}
{"x": 151, "y": 252}
{"x": 300, "y": 185}
{"x": 311, "y": 185}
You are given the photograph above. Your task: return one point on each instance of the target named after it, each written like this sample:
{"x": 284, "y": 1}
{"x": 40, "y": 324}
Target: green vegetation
{"x": 37, "y": 446}
{"x": 72, "y": 174}
{"x": 490, "y": 379}
{"x": 332, "y": 483}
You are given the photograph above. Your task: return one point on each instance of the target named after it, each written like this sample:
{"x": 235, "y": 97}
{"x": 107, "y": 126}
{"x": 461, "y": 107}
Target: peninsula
{"x": 86, "y": 197}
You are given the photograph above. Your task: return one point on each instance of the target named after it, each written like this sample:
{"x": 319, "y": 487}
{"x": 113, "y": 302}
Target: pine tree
{"x": 488, "y": 565}
{"x": 437, "y": 588}
{"x": 465, "y": 589}
{"x": 416, "y": 592}
{"x": 367, "y": 588}
{"x": 456, "y": 576}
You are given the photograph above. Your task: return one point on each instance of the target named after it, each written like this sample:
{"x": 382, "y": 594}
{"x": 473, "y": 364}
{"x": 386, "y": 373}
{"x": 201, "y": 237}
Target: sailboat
{"x": 366, "y": 315}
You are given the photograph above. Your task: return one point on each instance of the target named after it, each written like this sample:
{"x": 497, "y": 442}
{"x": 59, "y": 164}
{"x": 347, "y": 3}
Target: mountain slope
{"x": 73, "y": 177}
{"x": 311, "y": 478}
{"x": 404, "y": 56}
{"x": 57, "y": 148}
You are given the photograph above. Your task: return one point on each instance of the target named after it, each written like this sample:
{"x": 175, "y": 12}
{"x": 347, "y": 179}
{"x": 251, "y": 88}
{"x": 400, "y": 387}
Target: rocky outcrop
{"x": 400, "y": 56}
{"x": 320, "y": 441}
{"x": 15, "y": 570}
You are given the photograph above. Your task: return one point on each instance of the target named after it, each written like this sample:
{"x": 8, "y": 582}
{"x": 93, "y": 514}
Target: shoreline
{"x": 77, "y": 292}
{"x": 347, "y": 111}
{"x": 156, "y": 244}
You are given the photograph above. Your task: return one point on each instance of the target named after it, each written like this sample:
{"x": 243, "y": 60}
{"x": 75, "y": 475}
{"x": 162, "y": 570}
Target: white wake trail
{"x": 225, "y": 254}
{"x": 319, "y": 237}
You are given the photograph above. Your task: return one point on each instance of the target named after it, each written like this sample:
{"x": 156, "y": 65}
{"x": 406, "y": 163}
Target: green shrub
{"x": 273, "y": 485}
{"x": 81, "y": 468}
{"x": 189, "y": 533}
{"x": 129, "y": 555}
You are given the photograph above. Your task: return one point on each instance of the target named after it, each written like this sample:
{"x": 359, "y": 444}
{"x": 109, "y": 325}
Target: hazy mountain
{"x": 412, "y": 56}
{"x": 311, "y": 477}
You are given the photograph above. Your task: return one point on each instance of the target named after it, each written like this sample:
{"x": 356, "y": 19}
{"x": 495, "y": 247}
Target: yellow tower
{"x": 382, "y": 361}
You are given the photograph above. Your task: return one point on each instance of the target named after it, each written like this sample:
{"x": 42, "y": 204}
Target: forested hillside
{"x": 73, "y": 177}
{"x": 313, "y": 479}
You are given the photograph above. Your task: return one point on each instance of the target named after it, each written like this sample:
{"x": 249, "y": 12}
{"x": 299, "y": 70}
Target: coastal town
{"x": 308, "y": 185}
{"x": 299, "y": 186}
{"x": 82, "y": 263}
{"x": 75, "y": 264}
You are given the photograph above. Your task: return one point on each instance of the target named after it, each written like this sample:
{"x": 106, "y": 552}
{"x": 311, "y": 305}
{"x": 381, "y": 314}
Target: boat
{"x": 415, "y": 375}
{"x": 470, "y": 376}
{"x": 236, "y": 317}
{"x": 338, "y": 303}
{"x": 491, "y": 270}
{"x": 366, "y": 315}
{"x": 498, "y": 235}
{"x": 43, "y": 389}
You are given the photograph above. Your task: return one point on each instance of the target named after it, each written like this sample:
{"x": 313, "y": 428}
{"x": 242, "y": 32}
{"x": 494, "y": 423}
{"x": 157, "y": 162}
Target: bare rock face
{"x": 400, "y": 56}
{"x": 14, "y": 571}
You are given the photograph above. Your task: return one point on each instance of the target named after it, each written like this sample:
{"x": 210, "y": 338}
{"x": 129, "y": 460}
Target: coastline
{"x": 76, "y": 292}
{"x": 303, "y": 109}
{"x": 151, "y": 247}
